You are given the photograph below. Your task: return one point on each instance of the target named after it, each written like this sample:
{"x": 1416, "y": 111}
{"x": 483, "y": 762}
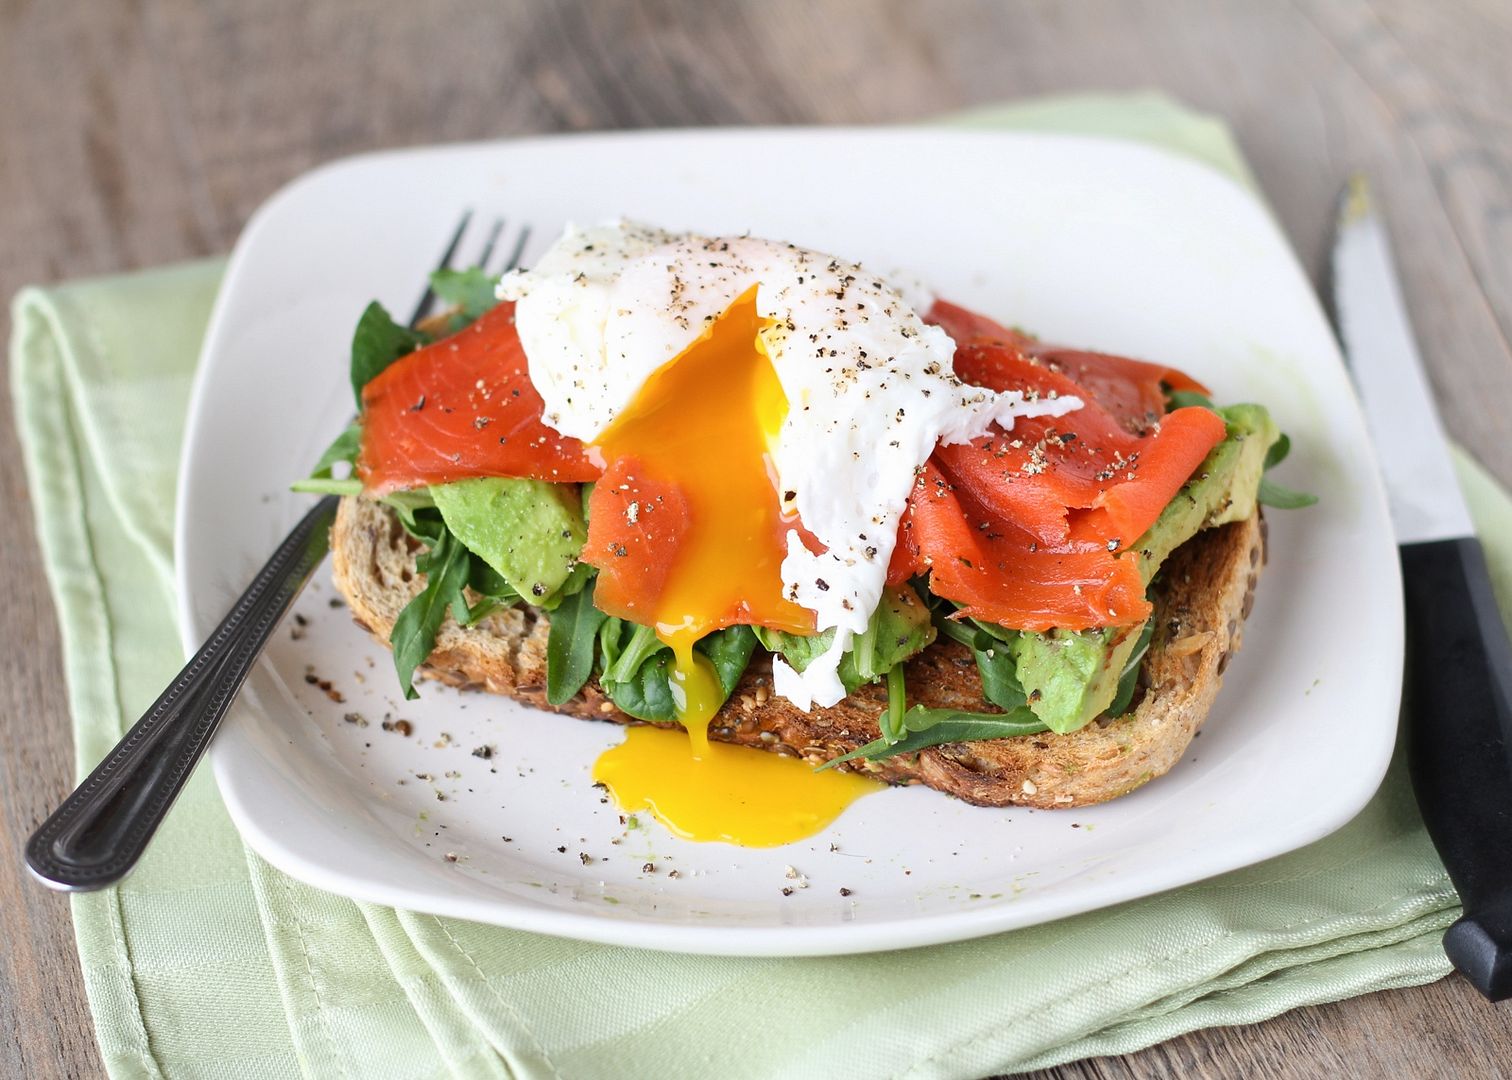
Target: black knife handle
{"x": 1459, "y": 710}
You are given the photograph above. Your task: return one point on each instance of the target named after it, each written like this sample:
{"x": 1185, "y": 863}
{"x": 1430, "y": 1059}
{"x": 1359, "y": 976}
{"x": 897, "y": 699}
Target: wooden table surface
{"x": 138, "y": 134}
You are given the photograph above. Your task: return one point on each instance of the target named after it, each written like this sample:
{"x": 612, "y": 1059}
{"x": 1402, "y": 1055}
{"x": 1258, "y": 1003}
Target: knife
{"x": 1457, "y": 701}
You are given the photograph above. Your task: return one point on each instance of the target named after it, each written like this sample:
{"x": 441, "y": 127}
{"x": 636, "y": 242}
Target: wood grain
{"x": 136, "y": 134}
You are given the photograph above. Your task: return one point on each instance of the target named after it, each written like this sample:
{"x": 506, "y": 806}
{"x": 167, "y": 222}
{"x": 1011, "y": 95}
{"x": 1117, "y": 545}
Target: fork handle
{"x": 98, "y": 834}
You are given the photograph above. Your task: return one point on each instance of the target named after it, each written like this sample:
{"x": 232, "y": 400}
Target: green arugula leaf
{"x": 486, "y": 581}
{"x": 899, "y": 628}
{"x": 923, "y": 728}
{"x": 317, "y": 485}
{"x": 955, "y": 629}
{"x": 580, "y": 575}
{"x": 1272, "y": 493}
{"x": 891, "y": 720}
{"x": 1283, "y": 498}
{"x": 423, "y": 522}
{"x": 1181, "y": 399}
{"x": 322, "y": 480}
{"x": 417, "y": 513}
{"x": 989, "y": 645}
{"x": 470, "y": 290}
{"x": 376, "y": 343}
{"x": 571, "y": 644}
{"x": 414, "y": 633}
{"x": 344, "y": 448}
{"x": 1278, "y": 451}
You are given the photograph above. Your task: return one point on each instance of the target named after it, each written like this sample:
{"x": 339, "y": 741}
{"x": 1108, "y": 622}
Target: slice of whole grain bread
{"x": 1201, "y": 599}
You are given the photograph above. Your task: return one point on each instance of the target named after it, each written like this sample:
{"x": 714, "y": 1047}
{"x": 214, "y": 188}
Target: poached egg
{"x": 788, "y": 393}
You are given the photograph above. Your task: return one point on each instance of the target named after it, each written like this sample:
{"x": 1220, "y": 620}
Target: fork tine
{"x": 493, "y": 238}
{"x": 428, "y": 298}
{"x": 519, "y": 250}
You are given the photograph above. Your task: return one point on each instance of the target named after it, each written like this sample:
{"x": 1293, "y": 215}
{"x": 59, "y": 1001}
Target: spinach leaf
{"x": 799, "y": 650}
{"x": 470, "y": 290}
{"x": 609, "y": 637}
{"x": 636, "y": 666}
{"x": 636, "y": 644}
{"x": 999, "y": 670}
{"x": 1272, "y": 493}
{"x": 647, "y": 693}
{"x": 414, "y": 633}
{"x": 729, "y": 650}
{"x": 1129, "y": 680}
{"x": 377, "y": 342}
{"x": 570, "y": 645}
{"x": 629, "y": 672}
{"x": 923, "y": 728}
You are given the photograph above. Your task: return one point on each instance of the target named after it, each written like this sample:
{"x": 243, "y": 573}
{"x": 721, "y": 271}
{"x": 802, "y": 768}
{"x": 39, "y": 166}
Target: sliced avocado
{"x": 1070, "y": 676}
{"x": 529, "y": 531}
{"x": 1221, "y": 490}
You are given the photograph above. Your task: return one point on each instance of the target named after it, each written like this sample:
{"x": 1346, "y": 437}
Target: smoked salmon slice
{"x": 999, "y": 573}
{"x": 1025, "y": 527}
{"x": 460, "y": 407}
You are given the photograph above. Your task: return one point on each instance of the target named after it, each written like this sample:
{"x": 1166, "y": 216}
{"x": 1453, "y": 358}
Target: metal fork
{"x": 100, "y": 831}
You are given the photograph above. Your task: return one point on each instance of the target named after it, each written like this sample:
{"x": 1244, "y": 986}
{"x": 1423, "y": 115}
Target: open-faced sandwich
{"x": 785, "y": 502}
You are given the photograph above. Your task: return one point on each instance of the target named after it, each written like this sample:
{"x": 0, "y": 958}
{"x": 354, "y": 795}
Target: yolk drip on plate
{"x": 700, "y": 428}
{"x": 729, "y": 793}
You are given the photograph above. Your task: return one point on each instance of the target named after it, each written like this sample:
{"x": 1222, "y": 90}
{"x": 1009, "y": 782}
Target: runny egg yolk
{"x": 704, "y": 421}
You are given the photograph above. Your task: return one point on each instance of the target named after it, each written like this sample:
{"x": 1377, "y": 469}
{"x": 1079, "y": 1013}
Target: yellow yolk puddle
{"x": 729, "y": 793}
{"x": 704, "y": 420}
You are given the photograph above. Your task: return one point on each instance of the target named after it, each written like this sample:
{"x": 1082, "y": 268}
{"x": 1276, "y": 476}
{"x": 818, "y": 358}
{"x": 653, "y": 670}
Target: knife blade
{"x": 1457, "y": 700}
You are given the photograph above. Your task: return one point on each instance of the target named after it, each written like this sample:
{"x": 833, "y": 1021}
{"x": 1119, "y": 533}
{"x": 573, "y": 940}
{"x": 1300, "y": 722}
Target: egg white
{"x": 870, "y": 388}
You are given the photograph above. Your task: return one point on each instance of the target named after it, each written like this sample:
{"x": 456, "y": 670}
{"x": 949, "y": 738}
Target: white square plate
{"x": 1098, "y": 243}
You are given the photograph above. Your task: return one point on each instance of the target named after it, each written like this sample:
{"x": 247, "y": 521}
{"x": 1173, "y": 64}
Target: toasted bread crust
{"x": 1205, "y": 592}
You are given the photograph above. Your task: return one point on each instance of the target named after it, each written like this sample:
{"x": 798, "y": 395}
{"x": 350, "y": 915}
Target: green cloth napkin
{"x": 209, "y": 963}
